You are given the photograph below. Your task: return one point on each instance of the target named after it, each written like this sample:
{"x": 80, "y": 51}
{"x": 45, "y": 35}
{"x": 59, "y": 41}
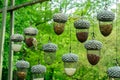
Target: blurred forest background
{"x": 40, "y": 15}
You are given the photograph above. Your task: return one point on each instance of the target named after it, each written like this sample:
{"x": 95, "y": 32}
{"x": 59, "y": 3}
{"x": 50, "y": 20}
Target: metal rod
{"x": 2, "y": 35}
{"x": 12, "y": 8}
{"x": 10, "y": 58}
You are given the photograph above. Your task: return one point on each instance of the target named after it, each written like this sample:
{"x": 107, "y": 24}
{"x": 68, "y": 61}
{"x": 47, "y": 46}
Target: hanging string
{"x": 116, "y": 34}
{"x": 23, "y": 56}
{"x": 70, "y": 40}
{"x": 38, "y": 61}
{"x": 51, "y": 3}
{"x": 49, "y": 40}
{"x": 31, "y": 18}
{"x": 93, "y": 31}
{"x": 70, "y": 31}
{"x": 40, "y": 40}
{"x": 65, "y": 5}
{"x": 60, "y": 9}
{"x": 106, "y": 6}
{"x": 39, "y": 55}
{"x": 82, "y": 13}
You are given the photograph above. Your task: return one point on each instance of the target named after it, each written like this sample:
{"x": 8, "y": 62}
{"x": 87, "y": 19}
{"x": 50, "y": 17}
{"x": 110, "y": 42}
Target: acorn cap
{"x": 60, "y": 17}
{"x": 70, "y": 57}
{"x": 105, "y": 15}
{"x": 38, "y": 69}
{"x": 17, "y": 38}
{"x": 22, "y": 64}
{"x": 93, "y": 45}
{"x": 114, "y": 72}
{"x": 81, "y": 24}
{"x": 30, "y": 31}
{"x": 50, "y": 47}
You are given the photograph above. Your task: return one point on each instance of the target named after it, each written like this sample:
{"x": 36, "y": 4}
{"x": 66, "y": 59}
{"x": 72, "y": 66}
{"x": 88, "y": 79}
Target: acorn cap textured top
{"x": 30, "y": 31}
{"x": 105, "y": 15}
{"x": 81, "y": 24}
{"x": 17, "y": 38}
{"x": 22, "y": 64}
{"x": 70, "y": 57}
{"x": 38, "y": 69}
{"x": 114, "y": 72}
{"x": 60, "y": 17}
{"x": 50, "y": 47}
{"x": 93, "y": 45}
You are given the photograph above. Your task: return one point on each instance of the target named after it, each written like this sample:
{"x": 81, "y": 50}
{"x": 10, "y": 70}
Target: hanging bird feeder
{"x": 93, "y": 51}
{"x": 49, "y": 52}
{"x": 22, "y": 69}
{"x": 82, "y": 28}
{"x": 60, "y": 19}
{"x": 70, "y": 63}
{"x": 17, "y": 39}
{"x": 105, "y": 18}
{"x": 30, "y": 34}
{"x": 38, "y": 72}
{"x": 114, "y": 73}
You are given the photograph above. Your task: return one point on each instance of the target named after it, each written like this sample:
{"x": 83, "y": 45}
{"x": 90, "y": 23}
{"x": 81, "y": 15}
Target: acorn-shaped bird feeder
{"x": 22, "y": 69}
{"x": 59, "y": 22}
{"x": 17, "y": 39}
{"x": 70, "y": 63}
{"x": 105, "y": 18}
{"x": 93, "y": 51}
{"x": 82, "y": 28}
{"x": 38, "y": 72}
{"x": 49, "y": 52}
{"x": 30, "y": 34}
{"x": 114, "y": 73}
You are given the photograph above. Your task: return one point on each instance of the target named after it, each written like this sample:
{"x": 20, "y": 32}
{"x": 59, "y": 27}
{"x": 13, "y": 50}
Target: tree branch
{"x": 23, "y": 5}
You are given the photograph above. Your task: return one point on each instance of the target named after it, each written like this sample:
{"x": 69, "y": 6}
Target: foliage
{"x": 40, "y": 15}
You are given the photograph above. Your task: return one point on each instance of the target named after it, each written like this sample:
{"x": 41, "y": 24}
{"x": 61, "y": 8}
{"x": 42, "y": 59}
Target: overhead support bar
{"x": 12, "y": 8}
